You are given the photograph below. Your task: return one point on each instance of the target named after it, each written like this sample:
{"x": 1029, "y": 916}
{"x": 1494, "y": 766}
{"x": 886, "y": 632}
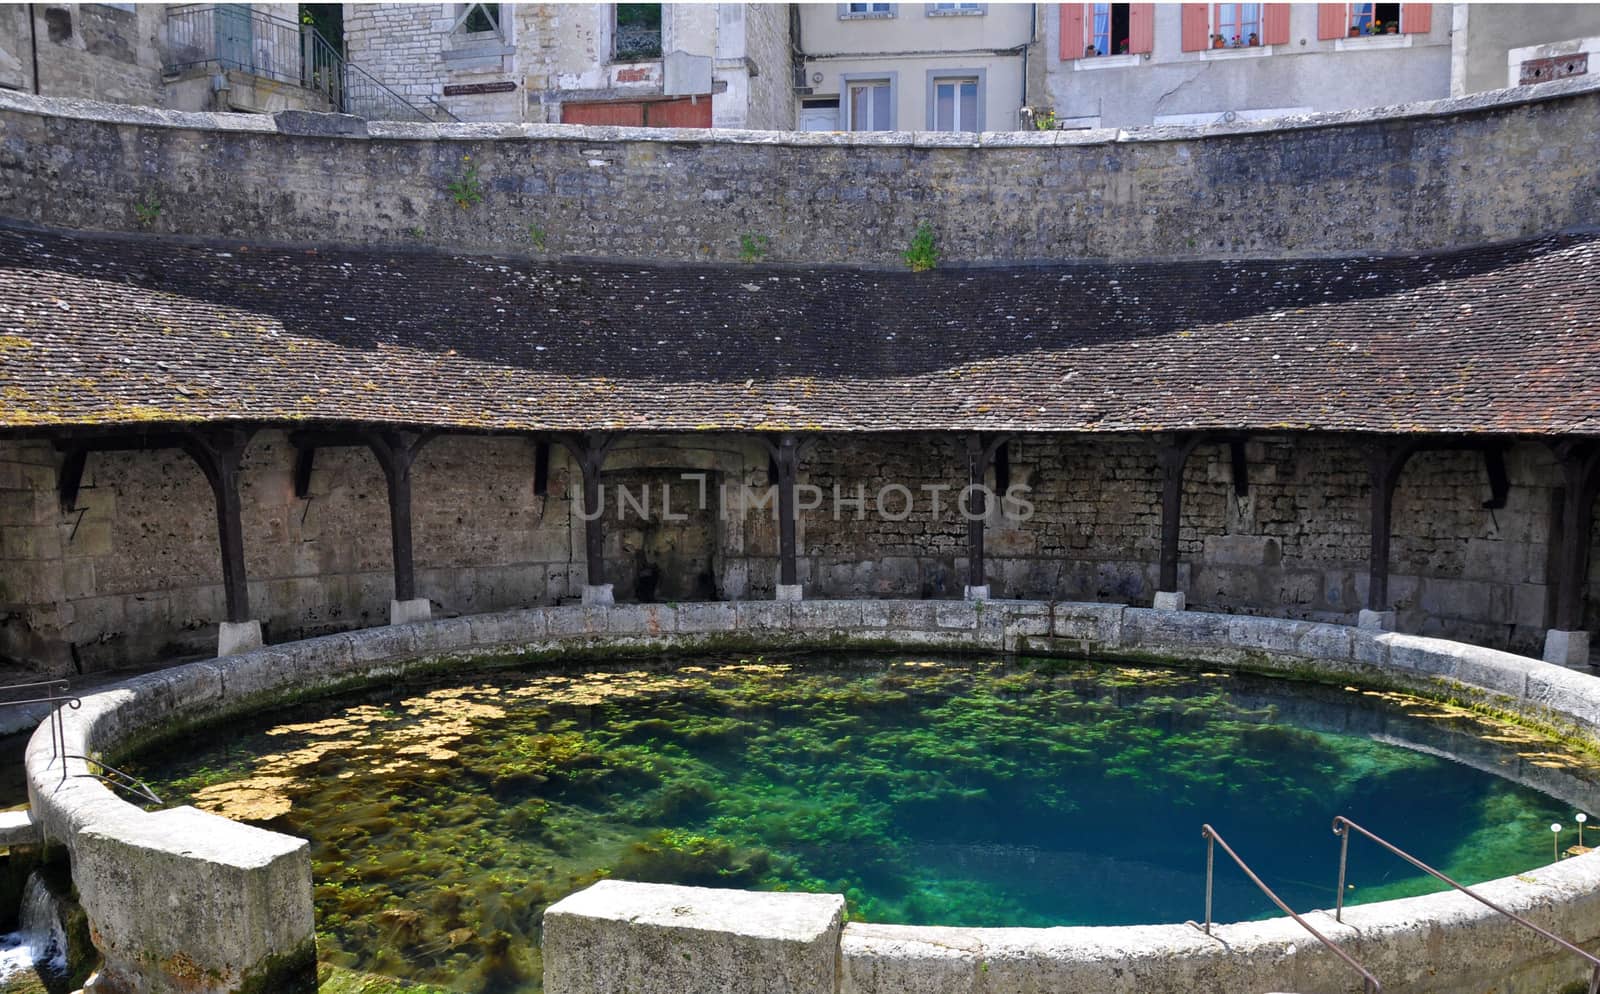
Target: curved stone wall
{"x": 258, "y": 920}
{"x": 1416, "y": 178}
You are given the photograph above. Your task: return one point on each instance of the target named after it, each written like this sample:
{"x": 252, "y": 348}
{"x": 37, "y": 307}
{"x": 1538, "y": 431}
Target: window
{"x": 1374, "y": 19}
{"x": 869, "y": 103}
{"x": 638, "y": 32}
{"x": 477, "y": 18}
{"x": 1089, "y": 30}
{"x": 955, "y": 100}
{"x": 1344, "y": 21}
{"x": 1238, "y": 25}
{"x": 865, "y": 11}
{"x": 1108, "y": 27}
{"x": 955, "y": 9}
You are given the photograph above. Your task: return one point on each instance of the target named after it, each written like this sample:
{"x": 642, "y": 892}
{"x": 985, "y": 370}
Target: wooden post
{"x": 218, "y": 454}
{"x": 1385, "y": 461}
{"x": 785, "y": 450}
{"x": 589, "y": 451}
{"x": 1173, "y": 457}
{"x": 977, "y": 472}
{"x": 1580, "y": 470}
{"x": 395, "y": 453}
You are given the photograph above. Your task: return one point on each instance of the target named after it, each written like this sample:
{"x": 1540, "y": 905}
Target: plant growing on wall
{"x": 922, "y": 254}
{"x": 147, "y": 211}
{"x": 466, "y": 189}
{"x": 1044, "y": 120}
{"x": 753, "y": 248}
{"x": 536, "y": 235}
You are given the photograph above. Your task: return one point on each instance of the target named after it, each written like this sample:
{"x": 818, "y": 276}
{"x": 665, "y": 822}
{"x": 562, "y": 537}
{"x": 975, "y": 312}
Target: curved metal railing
{"x": 1213, "y": 839}
{"x": 1342, "y": 827}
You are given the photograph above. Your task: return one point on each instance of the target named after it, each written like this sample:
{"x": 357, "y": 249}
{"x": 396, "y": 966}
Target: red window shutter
{"x": 1275, "y": 24}
{"x": 1072, "y": 31}
{"x": 1416, "y": 18}
{"x": 1333, "y": 20}
{"x": 1196, "y": 27}
{"x": 1141, "y": 28}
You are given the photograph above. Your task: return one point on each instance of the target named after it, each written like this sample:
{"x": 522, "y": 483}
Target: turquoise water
{"x": 445, "y": 818}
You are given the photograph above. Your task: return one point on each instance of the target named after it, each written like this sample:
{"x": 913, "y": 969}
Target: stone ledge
{"x": 111, "y": 113}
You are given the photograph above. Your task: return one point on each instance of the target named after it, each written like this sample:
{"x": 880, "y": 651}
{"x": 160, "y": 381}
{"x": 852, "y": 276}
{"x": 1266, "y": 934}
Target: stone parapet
{"x": 127, "y": 860}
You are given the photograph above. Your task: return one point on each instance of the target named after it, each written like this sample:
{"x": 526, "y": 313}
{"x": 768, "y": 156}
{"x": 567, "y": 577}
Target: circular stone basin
{"x": 445, "y": 818}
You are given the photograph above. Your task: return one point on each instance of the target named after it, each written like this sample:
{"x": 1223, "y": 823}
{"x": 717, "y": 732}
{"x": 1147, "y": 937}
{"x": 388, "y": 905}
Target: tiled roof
{"x": 98, "y": 330}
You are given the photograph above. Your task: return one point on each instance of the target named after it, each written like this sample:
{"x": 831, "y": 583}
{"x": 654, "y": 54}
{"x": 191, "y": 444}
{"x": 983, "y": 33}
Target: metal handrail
{"x": 113, "y": 777}
{"x": 58, "y": 733}
{"x": 235, "y": 36}
{"x": 1213, "y": 839}
{"x": 1342, "y": 827}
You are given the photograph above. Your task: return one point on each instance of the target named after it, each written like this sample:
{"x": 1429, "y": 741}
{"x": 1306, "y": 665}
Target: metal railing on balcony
{"x": 235, "y": 36}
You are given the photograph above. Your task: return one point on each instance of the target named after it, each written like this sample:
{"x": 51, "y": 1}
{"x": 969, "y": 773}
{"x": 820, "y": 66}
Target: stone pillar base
{"x": 789, "y": 592}
{"x": 1566, "y": 648}
{"x": 1170, "y": 600}
{"x": 405, "y": 612}
{"x": 238, "y": 636}
{"x": 1375, "y": 621}
{"x": 976, "y": 593}
{"x": 600, "y": 595}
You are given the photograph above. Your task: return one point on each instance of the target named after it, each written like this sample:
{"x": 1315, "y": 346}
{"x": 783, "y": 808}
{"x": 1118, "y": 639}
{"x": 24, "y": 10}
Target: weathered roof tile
{"x": 100, "y": 330}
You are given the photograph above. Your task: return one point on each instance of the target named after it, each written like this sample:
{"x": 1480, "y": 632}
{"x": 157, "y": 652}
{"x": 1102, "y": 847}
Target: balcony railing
{"x": 235, "y": 36}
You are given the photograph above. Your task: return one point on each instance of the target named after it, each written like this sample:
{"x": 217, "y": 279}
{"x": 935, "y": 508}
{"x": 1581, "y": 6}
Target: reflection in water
{"x": 444, "y": 820}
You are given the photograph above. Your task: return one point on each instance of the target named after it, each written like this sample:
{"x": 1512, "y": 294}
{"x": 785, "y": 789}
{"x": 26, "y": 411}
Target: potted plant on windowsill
{"x": 1355, "y": 31}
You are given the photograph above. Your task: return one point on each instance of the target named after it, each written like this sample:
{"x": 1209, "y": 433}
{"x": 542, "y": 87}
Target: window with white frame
{"x": 866, "y": 10}
{"x": 956, "y": 104}
{"x": 1237, "y": 25}
{"x": 948, "y": 9}
{"x": 869, "y": 104}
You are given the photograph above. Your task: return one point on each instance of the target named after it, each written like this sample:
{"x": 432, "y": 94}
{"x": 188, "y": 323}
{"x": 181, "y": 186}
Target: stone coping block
{"x": 189, "y": 901}
{"x": 618, "y": 936}
{"x": 104, "y": 832}
{"x": 347, "y": 130}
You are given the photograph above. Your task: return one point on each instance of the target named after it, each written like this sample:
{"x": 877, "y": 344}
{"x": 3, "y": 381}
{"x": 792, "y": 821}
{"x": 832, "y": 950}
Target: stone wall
{"x": 1438, "y": 176}
{"x": 133, "y": 574}
{"x": 84, "y": 48}
{"x": 767, "y": 46}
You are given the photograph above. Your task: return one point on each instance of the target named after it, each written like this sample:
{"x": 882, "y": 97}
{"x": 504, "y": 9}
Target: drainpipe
{"x": 33, "y": 48}
{"x": 1033, "y": 36}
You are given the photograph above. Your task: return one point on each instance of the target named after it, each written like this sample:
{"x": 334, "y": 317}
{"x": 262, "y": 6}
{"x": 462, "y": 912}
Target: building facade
{"x": 721, "y": 65}
{"x": 1133, "y": 65}
{"x": 957, "y": 67}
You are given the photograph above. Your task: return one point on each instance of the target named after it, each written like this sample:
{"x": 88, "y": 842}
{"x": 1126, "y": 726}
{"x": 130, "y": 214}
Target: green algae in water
{"x": 444, "y": 820}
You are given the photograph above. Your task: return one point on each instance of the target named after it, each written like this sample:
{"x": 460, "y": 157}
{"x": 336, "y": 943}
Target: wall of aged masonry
{"x": 1436, "y": 176}
{"x": 84, "y": 48}
{"x": 133, "y": 573}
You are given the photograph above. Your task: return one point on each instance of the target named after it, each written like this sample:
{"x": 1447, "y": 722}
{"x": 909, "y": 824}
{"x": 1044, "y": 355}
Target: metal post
{"x": 1344, "y": 860}
{"x": 1211, "y": 852}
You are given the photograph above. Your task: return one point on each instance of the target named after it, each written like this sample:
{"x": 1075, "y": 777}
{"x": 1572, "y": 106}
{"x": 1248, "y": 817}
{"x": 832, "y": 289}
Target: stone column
{"x": 1567, "y": 643}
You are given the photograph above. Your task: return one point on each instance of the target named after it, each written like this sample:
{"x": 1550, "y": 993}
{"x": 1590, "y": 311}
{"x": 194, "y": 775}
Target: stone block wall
{"x": 84, "y": 49}
{"x": 132, "y": 574}
{"x": 1437, "y": 177}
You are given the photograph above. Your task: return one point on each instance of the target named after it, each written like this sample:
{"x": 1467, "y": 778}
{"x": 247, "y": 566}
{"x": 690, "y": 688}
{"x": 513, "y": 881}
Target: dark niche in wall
{"x": 58, "y": 22}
